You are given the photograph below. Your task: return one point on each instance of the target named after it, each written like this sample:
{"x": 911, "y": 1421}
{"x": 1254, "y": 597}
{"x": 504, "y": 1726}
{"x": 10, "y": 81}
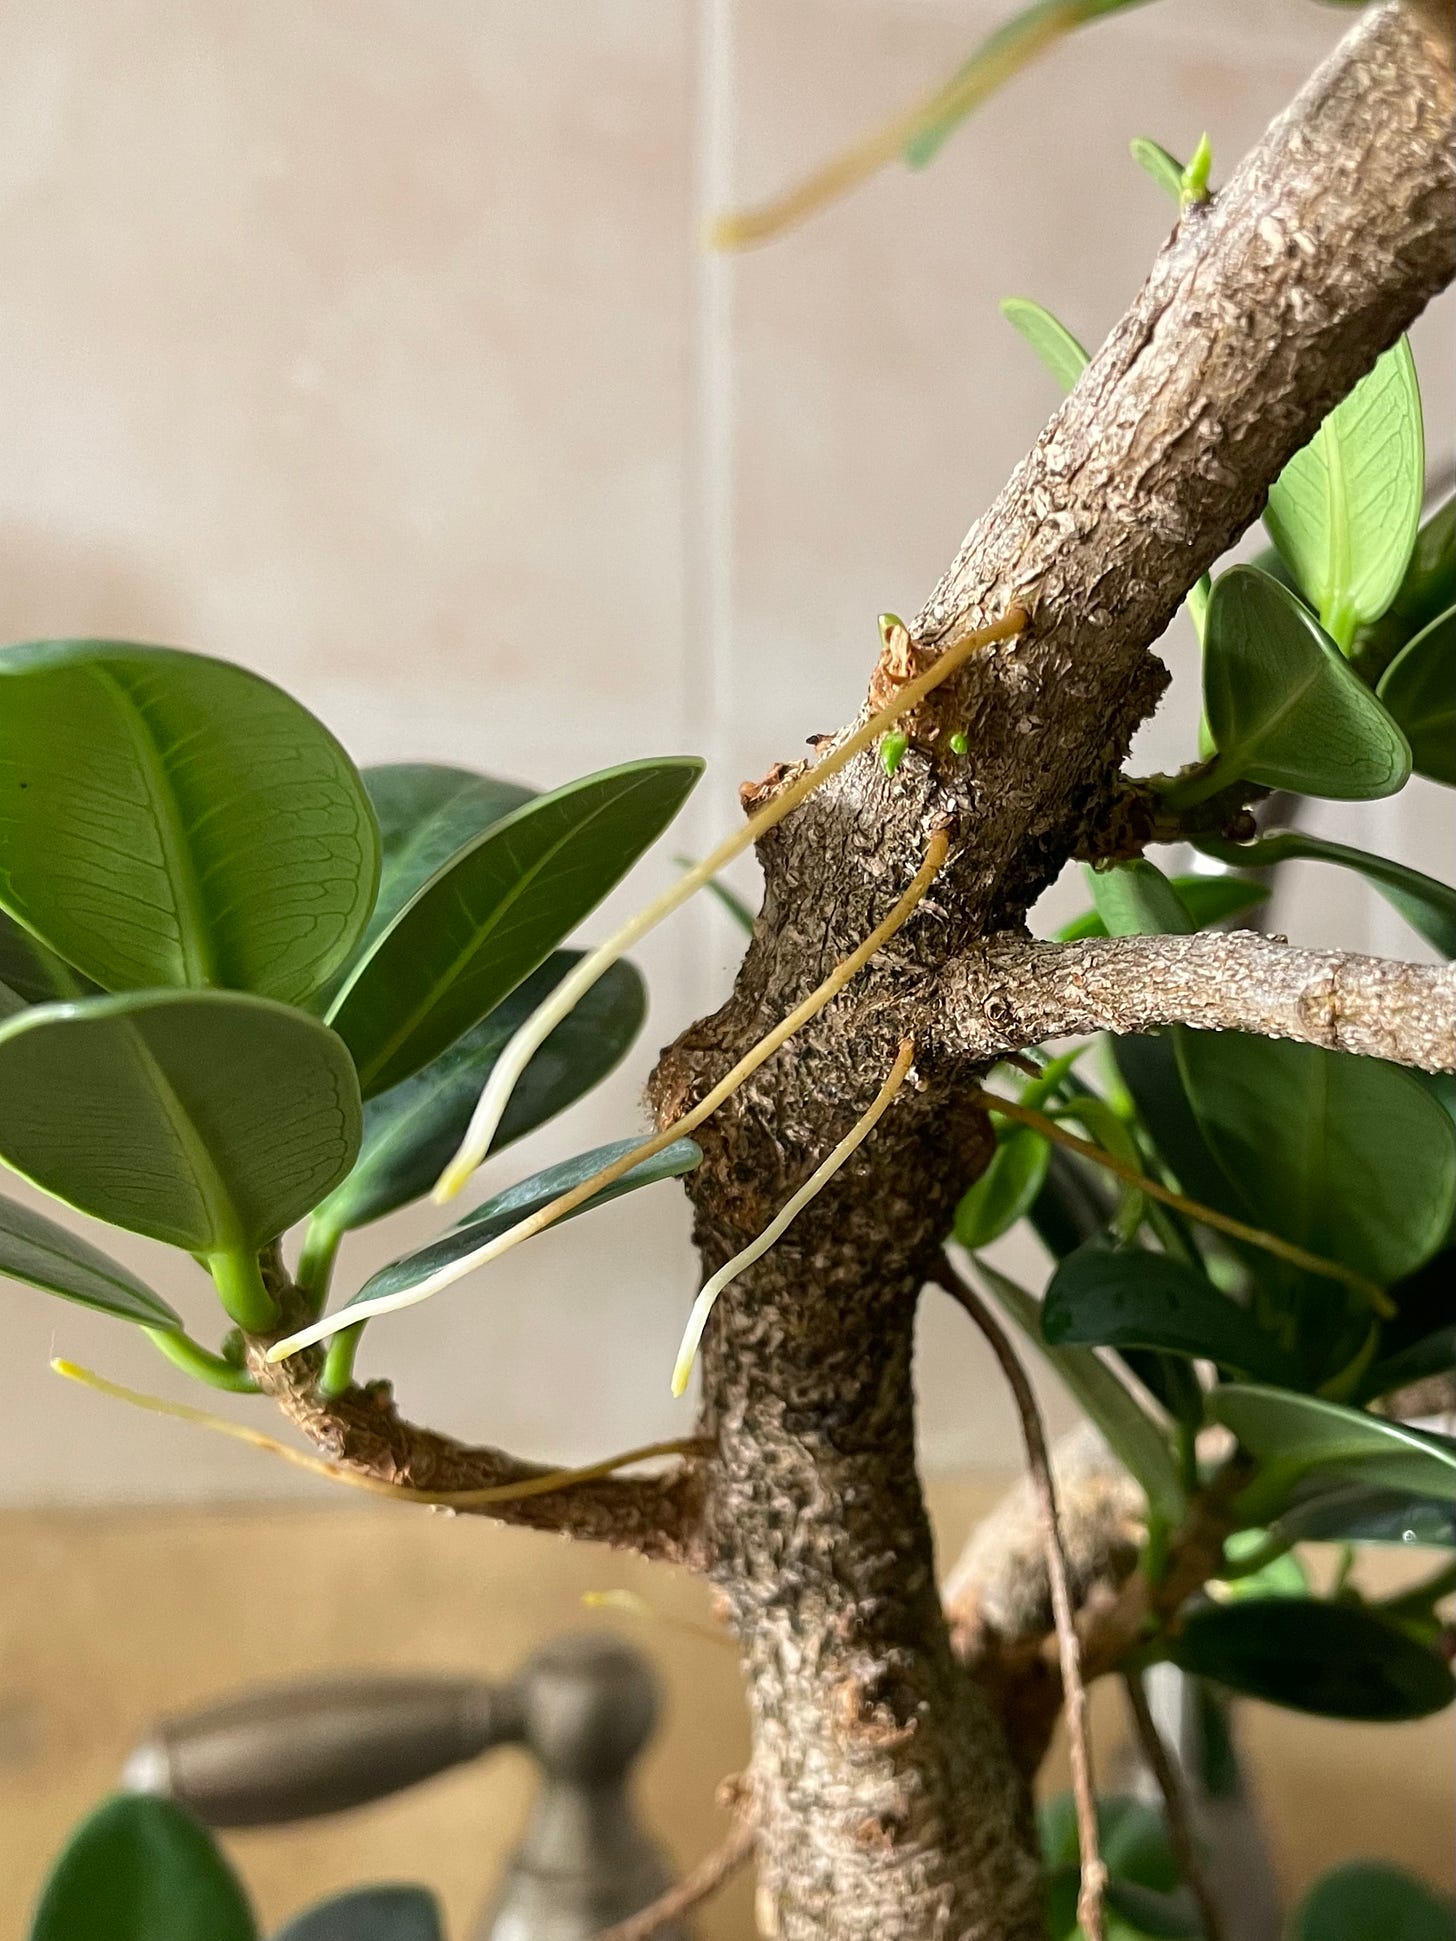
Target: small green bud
{"x": 892, "y": 750}
{"x": 958, "y": 743}
{"x": 888, "y": 623}
{"x": 1193, "y": 185}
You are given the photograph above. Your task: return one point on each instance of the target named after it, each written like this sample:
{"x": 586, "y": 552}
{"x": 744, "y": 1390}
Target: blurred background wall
{"x": 370, "y": 344}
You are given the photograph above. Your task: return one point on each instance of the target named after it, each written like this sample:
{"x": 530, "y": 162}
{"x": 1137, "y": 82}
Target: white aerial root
{"x": 790, "y": 1211}
{"x": 529, "y": 1037}
{"x": 834, "y": 983}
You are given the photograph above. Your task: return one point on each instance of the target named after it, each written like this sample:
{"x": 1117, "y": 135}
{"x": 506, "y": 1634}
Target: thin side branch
{"x": 1094, "y": 1872}
{"x": 1015, "y": 992}
{"x": 691, "y": 1891}
{"x": 1175, "y": 1802}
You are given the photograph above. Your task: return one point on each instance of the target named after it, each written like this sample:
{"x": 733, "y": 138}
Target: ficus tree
{"x": 244, "y": 987}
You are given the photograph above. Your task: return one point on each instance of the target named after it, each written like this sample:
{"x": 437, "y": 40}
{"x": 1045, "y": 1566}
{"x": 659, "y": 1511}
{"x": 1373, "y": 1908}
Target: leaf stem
{"x": 239, "y": 1282}
{"x": 199, "y": 1362}
{"x": 1207, "y": 1216}
{"x": 337, "y": 1373}
{"x": 316, "y": 1262}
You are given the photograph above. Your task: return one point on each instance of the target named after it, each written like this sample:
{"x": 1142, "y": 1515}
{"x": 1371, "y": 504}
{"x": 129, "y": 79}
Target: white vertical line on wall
{"x": 708, "y": 510}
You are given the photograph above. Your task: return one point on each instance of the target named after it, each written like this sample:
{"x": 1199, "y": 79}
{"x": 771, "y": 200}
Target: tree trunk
{"x": 889, "y": 1807}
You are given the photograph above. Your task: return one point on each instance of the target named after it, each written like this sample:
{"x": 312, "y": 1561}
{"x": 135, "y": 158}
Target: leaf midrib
{"x": 441, "y": 984}
{"x": 199, "y": 961}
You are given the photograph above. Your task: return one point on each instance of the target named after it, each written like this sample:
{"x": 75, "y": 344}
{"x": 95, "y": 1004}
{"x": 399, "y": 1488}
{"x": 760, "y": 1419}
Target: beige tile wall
{"x": 370, "y": 345}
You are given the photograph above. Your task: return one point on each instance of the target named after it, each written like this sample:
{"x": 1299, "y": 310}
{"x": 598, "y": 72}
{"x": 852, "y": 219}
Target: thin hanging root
{"x": 790, "y": 1211}
{"x": 537, "y": 1222}
{"x": 545, "y": 1484}
{"x": 570, "y": 991}
{"x": 994, "y": 63}
{"x": 1206, "y": 1216}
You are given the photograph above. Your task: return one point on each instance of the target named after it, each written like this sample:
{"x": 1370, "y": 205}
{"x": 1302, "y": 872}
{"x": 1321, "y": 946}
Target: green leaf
{"x": 32, "y": 972}
{"x": 170, "y": 820}
{"x": 1344, "y": 512}
{"x": 35, "y": 1250}
{"x": 1433, "y": 1354}
{"x": 1429, "y": 587}
{"x": 1205, "y": 899}
{"x": 1155, "y": 161}
{"x": 1350, "y": 1158}
{"x": 1419, "y": 691}
{"x": 370, "y": 1914}
{"x": 1369, "y": 1898}
{"x": 485, "y": 921}
{"x": 1327, "y": 1509}
{"x": 210, "y": 1120}
{"x": 1006, "y": 1190}
{"x": 1340, "y": 1661}
{"x": 1282, "y": 1576}
{"x": 1132, "y": 1837}
{"x": 140, "y": 1869}
{"x": 1148, "y": 1066}
{"x": 1284, "y": 708}
{"x": 1292, "y": 1434}
{"x": 427, "y": 813}
{"x": 1134, "y": 1439}
{"x": 501, "y": 1211}
{"x": 1135, "y": 1299}
{"x": 1136, "y": 900}
{"x": 411, "y": 1130}
{"x": 1053, "y": 343}
{"x": 1428, "y": 906}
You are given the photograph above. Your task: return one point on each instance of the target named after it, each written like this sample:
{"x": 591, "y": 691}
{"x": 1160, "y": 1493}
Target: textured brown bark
{"x": 888, "y": 1804}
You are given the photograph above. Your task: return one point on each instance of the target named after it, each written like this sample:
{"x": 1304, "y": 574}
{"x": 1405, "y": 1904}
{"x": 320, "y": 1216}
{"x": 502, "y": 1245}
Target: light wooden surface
{"x": 108, "y": 1618}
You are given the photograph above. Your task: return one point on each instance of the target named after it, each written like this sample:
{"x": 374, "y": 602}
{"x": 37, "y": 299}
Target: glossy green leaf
{"x": 170, "y": 820}
{"x": 1369, "y": 1899}
{"x": 1148, "y": 1066}
{"x": 41, "y": 1253}
{"x": 141, "y": 1869}
{"x": 1136, "y": 900}
{"x": 1345, "y": 510}
{"x": 1101, "y": 1298}
{"x": 1154, "y": 160}
{"x": 1006, "y": 1190}
{"x": 1292, "y": 1433}
{"x": 484, "y": 922}
{"x": 1281, "y": 1576}
{"x": 1348, "y": 1157}
{"x": 1429, "y": 587}
{"x": 1428, "y": 907}
{"x": 211, "y": 1120}
{"x": 1419, "y": 691}
{"x": 1433, "y": 1354}
{"x": 370, "y": 1914}
{"x": 1325, "y": 1508}
{"x": 1139, "y": 1445}
{"x": 1285, "y": 709}
{"x": 1340, "y": 1661}
{"x": 34, "y": 973}
{"x": 502, "y": 1211}
{"x": 411, "y": 1130}
{"x": 1053, "y": 343}
{"x": 1004, "y": 52}
{"x": 1206, "y": 900}
{"x": 427, "y": 813}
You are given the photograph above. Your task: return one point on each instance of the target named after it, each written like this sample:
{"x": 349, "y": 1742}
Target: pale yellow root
{"x": 530, "y": 1035}
{"x": 456, "y": 1499}
{"x": 790, "y": 1211}
{"x": 843, "y": 972}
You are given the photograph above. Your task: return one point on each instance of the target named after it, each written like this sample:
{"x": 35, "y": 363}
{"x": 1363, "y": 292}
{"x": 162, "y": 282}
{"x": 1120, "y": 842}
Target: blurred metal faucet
{"x": 585, "y": 1706}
